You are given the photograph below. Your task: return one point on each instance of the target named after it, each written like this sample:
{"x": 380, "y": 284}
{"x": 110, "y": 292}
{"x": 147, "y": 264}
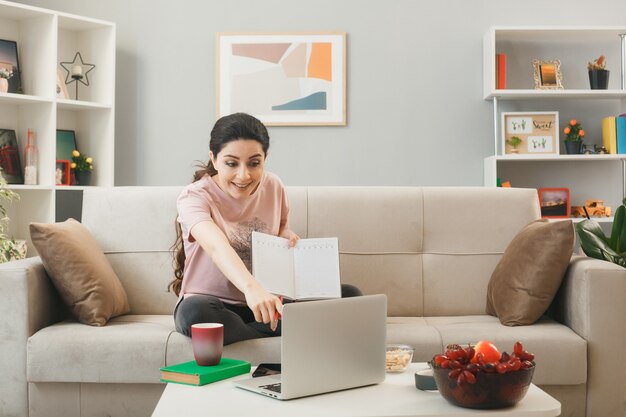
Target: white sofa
{"x": 430, "y": 250}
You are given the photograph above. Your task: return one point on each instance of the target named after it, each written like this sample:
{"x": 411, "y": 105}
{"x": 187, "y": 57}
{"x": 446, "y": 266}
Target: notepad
{"x": 308, "y": 271}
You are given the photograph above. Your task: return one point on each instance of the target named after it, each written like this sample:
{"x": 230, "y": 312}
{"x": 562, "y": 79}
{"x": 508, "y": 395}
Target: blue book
{"x": 620, "y": 125}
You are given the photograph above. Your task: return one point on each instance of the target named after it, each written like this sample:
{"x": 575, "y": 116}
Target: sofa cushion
{"x": 530, "y": 272}
{"x": 79, "y": 271}
{"x": 130, "y": 349}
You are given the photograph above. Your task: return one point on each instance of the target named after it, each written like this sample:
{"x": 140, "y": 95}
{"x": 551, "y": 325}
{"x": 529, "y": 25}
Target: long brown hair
{"x": 227, "y": 129}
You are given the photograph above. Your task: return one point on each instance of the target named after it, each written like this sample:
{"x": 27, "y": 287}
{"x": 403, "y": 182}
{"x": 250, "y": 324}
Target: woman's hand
{"x": 264, "y": 305}
{"x": 293, "y": 238}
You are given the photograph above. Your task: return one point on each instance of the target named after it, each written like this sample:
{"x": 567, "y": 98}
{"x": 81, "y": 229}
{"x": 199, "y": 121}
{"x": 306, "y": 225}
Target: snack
{"x": 465, "y": 363}
{"x": 398, "y": 357}
{"x": 480, "y": 377}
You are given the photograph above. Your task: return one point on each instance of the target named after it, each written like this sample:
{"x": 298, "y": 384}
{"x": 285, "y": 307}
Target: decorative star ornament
{"x": 77, "y": 70}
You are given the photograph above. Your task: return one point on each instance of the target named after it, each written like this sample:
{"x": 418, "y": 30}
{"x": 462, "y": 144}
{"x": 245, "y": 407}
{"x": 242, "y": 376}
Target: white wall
{"x": 415, "y": 110}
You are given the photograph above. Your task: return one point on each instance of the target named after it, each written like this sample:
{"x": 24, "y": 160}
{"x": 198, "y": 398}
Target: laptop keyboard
{"x": 272, "y": 387}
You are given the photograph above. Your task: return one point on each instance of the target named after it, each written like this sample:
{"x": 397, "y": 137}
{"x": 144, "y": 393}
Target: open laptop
{"x": 328, "y": 345}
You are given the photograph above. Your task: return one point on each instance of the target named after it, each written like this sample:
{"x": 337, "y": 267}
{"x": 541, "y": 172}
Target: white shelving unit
{"x": 587, "y": 176}
{"x": 44, "y": 39}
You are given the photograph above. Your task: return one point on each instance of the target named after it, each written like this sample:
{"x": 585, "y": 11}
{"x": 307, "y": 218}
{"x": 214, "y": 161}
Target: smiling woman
{"x": 229, "y": 198}
{"x": 240, "y": 167}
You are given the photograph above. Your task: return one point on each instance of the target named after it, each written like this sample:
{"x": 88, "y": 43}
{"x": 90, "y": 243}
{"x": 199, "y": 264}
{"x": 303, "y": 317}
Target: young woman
{"x": 229, "y": 198}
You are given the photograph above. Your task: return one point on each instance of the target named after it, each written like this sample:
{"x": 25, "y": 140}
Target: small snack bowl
{"x": 399, "y": 357}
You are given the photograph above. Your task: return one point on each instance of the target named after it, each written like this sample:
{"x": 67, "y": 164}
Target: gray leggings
{"x": 239, "y": 323}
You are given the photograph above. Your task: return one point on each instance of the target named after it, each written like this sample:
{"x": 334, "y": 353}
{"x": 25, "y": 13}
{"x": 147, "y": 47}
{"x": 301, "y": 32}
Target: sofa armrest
{"x": 28, "y": 302}
{"x": 591, "y": 301}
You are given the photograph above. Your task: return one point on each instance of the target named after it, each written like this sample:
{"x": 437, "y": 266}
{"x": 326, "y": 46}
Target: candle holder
{"x": 76, "y": 71}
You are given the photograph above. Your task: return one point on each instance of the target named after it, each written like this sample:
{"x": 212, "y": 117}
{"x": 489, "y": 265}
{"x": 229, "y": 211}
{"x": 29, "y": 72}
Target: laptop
{"x": 327, "y": 345}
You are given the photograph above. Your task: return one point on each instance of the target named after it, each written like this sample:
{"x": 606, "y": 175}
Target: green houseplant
{"x": 514, "y": 142}
{"x": 596, "y": 245}
{"x": 574, "y": 135}
{"x": 81, "y": 166}
{"x": 10, "y": 249}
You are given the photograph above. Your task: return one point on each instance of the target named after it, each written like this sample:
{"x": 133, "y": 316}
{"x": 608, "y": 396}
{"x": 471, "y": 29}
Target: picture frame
{"x": 554, "y": 203}
{"x": 547, "y": 75}
{"x": 9, "y": 61}
{"x": 283, "y": 79}
{"x": 62, "y": 175}
{"x": 10, "y": 157}
{"x": 537, "y": 133}
{"x": 61, "y": 86}
{"x": 66, "y": 143}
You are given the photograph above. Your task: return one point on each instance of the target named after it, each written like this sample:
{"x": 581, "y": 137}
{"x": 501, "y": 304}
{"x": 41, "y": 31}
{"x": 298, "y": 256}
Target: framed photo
{"x": 530, "y": 133}
{"x": 547, "y": 75}
{"x": 10, "y": 157}
{"x": 296, "y": 79}
{"x": 61, "y": 86}
{"x": 554, "y": 202}
{"x": 66, "y": 143}
{"x": 10, "y": 64}
{"x": 62, "y": 174}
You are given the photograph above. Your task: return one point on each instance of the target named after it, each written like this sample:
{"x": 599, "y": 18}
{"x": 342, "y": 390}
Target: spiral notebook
{"x": 308, "y": 271}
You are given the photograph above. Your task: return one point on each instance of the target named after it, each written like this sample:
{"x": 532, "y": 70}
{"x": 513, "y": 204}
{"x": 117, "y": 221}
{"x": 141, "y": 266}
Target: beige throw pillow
{"x": 530, "y": 272}
{"x": 80, "y": 272}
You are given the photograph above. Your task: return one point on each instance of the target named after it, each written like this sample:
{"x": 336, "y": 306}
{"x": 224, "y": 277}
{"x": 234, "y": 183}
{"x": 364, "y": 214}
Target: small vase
{"x": 83, "y": 177}
{"x": 573, "y": 147}
{"x": 4, "y": 85}
{"x": 599, "y": 79}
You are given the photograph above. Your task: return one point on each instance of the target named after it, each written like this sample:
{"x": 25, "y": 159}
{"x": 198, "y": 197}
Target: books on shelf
{"x": 190, "y": 373}
{"x": 500, "y": 71}
{"x": 614, "y": 134}
{"x": 308, "y": 271}
{"x": 620, "y": 133}
{"x": 609, "y": 135}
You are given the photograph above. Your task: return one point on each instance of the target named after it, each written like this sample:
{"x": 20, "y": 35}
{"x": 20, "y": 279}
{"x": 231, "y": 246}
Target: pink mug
{"x": 207, "y": 340}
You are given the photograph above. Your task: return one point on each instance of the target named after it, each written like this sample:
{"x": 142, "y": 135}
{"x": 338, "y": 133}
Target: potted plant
{"x": 598, "y": 74}
{"x": 10, "y": 249}
{"x": 81, "y": 166}
{"x": 573, "y": 137}
{"x": 5, "y": 74}
{"x": 596, "y": 245}
{"x": 514, "y": 142}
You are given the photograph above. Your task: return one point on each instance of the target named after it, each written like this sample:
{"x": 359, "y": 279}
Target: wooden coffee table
{"x": 397, "y": 396}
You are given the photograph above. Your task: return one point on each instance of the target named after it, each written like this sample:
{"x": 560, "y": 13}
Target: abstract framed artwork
{"x": 296, "y": 79}
{"x": 530, "y": 133}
